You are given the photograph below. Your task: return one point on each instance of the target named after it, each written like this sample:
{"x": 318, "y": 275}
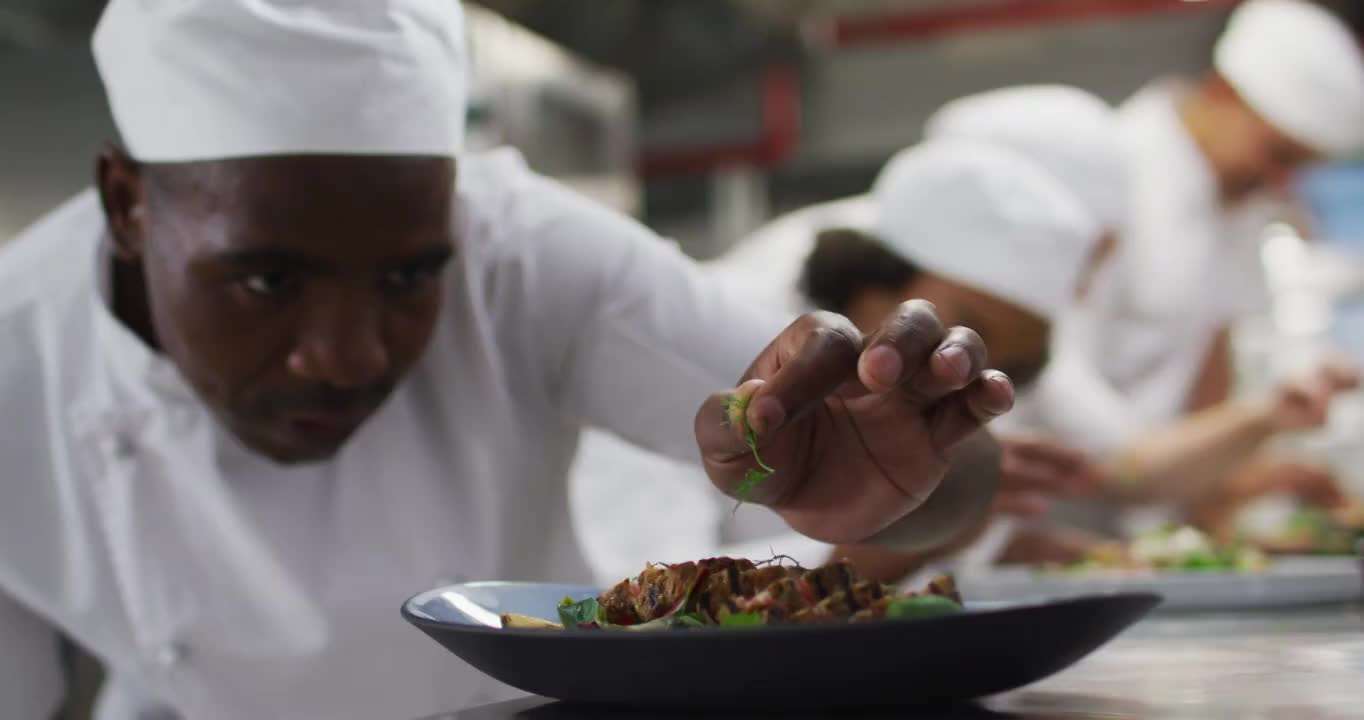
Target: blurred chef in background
{"x": 1182, "y": 465}
{"x": 1205, "y": 162}
{"x": 833, "y": 256}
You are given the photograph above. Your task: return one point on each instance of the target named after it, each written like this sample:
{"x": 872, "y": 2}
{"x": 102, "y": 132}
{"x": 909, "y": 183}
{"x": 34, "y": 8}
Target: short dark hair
{"x": 845, "y": 262}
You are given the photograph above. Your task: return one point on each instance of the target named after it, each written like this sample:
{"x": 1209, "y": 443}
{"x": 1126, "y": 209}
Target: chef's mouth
{"x": 324, "y": 427}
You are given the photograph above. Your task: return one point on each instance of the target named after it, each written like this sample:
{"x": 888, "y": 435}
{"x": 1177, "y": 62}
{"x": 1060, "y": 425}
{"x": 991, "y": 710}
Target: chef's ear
{"x": 122, "y": 193}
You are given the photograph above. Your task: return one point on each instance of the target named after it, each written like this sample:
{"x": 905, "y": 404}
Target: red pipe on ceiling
{"x": 859, "y": 30}
{"x": 780, "y": 85}
{"x": 779, "y": 94}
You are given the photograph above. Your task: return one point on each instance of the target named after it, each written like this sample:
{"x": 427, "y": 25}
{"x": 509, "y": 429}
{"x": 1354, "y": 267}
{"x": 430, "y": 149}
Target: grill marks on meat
{"x": 662, "y": 590}
{"x": 717, "y": 587}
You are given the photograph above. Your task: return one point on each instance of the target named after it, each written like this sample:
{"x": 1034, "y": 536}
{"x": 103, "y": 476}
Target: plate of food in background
{"x": 1318, "y": 532}
{"x": 1188, "y": 569}
{"x": 726, "y": 633}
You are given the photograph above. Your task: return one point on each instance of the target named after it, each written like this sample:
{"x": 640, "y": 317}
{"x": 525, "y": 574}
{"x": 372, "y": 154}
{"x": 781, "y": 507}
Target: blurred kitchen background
{"x": 704, "y": 118}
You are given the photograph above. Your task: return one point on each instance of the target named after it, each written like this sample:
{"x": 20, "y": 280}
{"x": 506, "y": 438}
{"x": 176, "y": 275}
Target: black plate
{"x": 891, "y": 663}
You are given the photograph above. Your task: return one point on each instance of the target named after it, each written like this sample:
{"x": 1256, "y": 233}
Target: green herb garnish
{"x": 922, "y": 606}
{"x": 755, "y": 476}
{"x": 741, "y": 620}
{"x": 580, "y": 613}
{"x": 687, "y": 620}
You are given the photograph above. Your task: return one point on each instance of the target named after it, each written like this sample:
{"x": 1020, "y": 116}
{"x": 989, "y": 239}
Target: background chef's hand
{"x": 1035, "y": 469}
{"x": 1302, "y": 403}
{"x": 1043, "y": 544}
{"x": 1312, "y": 485}
{"x": 859, "y": 430}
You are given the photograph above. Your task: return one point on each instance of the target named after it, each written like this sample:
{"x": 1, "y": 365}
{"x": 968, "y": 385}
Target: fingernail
{"x": 1005, "y": 385}
{"x": 883, "y": 365}
{"x": 958, "y": 362}
{"x": 766, "y": 415}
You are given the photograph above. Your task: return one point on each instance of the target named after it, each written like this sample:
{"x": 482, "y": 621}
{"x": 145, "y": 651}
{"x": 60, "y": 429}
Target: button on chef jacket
{"x": 215, "y": 584}
{"x": 1126, "y": 358}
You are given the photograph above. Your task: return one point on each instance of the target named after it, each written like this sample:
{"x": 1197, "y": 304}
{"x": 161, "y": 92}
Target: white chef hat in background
{"x": 210, "y": 79}
{"x": 988, "y": 218}
{"x": 1300, "y": 68}
{"x": 1069, "y": 132}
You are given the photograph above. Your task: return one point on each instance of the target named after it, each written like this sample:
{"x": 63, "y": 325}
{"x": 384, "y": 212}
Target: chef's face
{"x": 1248, "y": 154}
{"x": 292, "y": 292}
{"x": 1018, "y": 339}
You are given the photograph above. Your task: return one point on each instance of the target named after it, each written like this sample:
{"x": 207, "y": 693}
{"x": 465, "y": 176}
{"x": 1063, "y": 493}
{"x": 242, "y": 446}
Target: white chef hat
{"x": 210, "y": 79}
{"x": 988, "y": 218}
{"x": 1066, "y": 130}
{"x": 1300, "y": 68}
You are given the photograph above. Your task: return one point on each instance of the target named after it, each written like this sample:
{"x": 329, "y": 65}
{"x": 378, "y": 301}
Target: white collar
{"x": 125, "y": 349}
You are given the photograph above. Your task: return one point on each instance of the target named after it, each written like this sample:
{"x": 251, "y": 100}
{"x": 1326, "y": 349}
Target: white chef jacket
{"x": 215, "y": 584}
{"x": 623, "y": 521}
{"x": 1185, "y": 267}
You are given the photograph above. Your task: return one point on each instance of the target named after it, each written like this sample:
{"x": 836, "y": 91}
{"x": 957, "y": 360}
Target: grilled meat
{"x": 717, "y": 587}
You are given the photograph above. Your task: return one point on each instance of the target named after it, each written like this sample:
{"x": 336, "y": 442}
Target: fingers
{"x": 1020, "y": 474}
{"x": 1304, "y": 402}
{"x": 1061, "y": 457}
{"x": 817, "y": 354}
{"x": 1021, "y": 504}
{"x": 1047, "y": 466}
{"x": 1339, "y": 374}
{"x": 1313, "y": 485}
{"x": 913, "y": 351}
{"x": 956, "y": 363}
{"x": 720, "y": 425}
{"x": 961, "y": 415}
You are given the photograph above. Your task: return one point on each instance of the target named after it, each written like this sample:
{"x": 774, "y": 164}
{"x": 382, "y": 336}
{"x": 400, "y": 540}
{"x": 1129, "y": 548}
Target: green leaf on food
{"x": 741, "y": 620}
{"x": 580, "y": 613}
{"x": 687, "y": 620}
{"x": 922, "y": 606}
{"x": 755, "y": 476}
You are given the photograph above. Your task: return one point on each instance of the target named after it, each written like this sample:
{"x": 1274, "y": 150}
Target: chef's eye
{"x": 411, "y": 278}
{"x": 267, "y": 284}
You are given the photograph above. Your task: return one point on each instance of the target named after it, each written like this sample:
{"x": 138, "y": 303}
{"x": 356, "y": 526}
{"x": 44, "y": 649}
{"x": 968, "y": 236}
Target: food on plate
{"x": 512, "y": 620}
{"x": 1170, "y": 549}
{"x": 1312, "y": 531}
{"x": 728, "y": 592}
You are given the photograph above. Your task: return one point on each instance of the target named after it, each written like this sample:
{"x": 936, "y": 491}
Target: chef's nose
{"x": 341, "y": 344}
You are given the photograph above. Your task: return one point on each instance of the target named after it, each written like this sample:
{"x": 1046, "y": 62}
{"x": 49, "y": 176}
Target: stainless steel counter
{"x": 1302, "y": 665}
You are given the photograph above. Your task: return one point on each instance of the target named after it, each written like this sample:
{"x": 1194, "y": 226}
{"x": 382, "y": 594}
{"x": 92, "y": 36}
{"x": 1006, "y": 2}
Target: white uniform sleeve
{"x": 32, "y": 680}
{"x": 632, "y": 334}
{"x": 1074, "y": 402}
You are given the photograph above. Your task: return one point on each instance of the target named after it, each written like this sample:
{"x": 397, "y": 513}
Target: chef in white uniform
{"x": 281, "y": 369}
{"x": 1204, "y": 159}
